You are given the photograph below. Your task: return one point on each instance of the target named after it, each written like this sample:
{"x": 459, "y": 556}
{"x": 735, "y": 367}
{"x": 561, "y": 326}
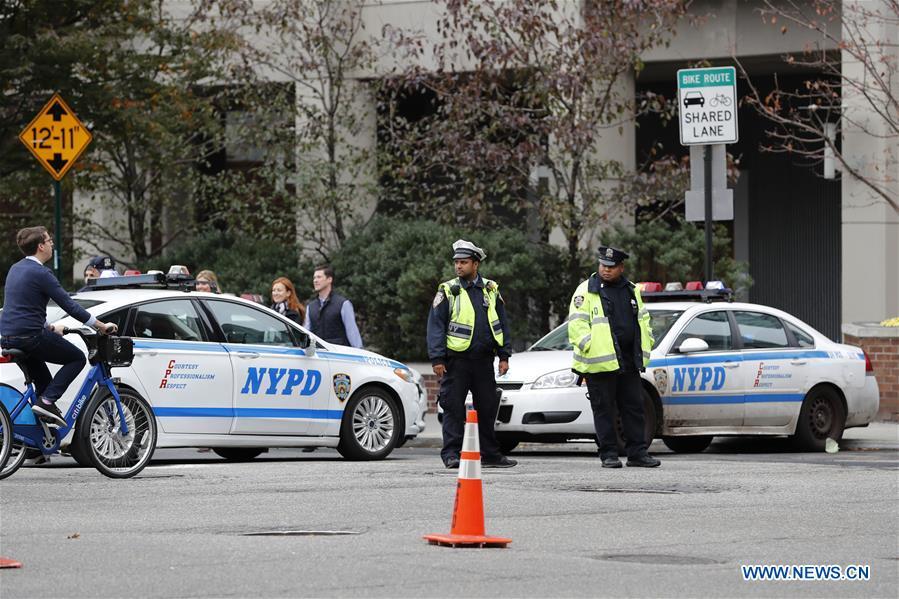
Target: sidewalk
{"x": 876, "y": 434}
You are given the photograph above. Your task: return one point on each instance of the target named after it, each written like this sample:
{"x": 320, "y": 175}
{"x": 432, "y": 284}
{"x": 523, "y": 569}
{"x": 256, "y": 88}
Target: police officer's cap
{"x": 609, "y": 256}
{"x": 102, "y": 263}
{"x": 467, "y": 250}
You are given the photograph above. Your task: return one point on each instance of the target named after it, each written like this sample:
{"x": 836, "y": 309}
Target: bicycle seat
{"x": 15, "y": 354}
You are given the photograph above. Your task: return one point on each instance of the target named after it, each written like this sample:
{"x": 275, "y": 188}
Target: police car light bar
{"x": 713, "y": 291}
{"x": 157, "y": 280}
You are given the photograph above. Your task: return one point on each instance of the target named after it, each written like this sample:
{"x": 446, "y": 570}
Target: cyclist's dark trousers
{"x": 464, "y": 375}
{"x": 610, "y": 394}
{"x": 49, "y": 347}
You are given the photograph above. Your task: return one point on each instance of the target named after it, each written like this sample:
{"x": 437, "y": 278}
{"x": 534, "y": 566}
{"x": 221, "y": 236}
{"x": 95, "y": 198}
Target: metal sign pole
{"x": 57, "y": 241}
{"x": 709, "y": 264}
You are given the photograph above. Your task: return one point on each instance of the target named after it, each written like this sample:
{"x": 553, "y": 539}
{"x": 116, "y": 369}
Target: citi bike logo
{"x": 78, "y": 407}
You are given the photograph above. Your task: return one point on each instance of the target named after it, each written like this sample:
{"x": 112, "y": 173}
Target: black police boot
{"x": 611, "y": 461}
{"x": 500, "y": 462}
{"x": 451, "y": 463}
{"x": 643, "y": 461}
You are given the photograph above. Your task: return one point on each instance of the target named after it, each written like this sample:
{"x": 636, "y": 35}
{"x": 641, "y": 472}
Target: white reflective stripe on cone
{"x": 470, "y": 441}
{"x": 470, "y": 469}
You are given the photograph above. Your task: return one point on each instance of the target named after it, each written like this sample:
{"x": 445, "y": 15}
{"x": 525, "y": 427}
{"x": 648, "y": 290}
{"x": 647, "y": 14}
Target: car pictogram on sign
{"x": 692, "y": 98}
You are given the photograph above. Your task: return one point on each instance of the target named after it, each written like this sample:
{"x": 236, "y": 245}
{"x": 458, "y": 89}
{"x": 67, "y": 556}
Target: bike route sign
{"x": 707, "y": 103}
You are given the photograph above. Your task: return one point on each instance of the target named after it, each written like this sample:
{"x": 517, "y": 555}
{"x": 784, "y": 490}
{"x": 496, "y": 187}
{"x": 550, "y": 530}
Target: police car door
{"x": 705, "y": 388}
{"x": 278, "y": 389}
{"x": 187, "y": 374}
{"x": 776, "y": 371}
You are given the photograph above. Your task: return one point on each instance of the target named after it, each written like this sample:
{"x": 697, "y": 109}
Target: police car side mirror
{"x": 692, "y": 345}
{"x": 305, "y": 342}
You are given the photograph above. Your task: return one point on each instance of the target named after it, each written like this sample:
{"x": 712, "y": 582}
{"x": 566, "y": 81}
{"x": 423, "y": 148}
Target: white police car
{"x": 717, "y": 368}
{"x": 227, "y": 373}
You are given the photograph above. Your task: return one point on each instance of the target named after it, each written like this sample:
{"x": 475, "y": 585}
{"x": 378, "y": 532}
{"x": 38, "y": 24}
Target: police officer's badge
{"x": 578, "y": 301}
{"x": 342, "y": 386}
{"x": 438, "y": 298}
{"x": 610, "y": 253}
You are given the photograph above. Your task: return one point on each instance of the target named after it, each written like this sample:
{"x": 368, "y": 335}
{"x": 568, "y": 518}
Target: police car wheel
{"x": 692, "y": 444}
{"x": 239, "y": 454}
{"x": 79, "y": 453}
{"x": 507, "y": 444}
{"x": 370, "y": 426}
{"x": 821, "y": 417}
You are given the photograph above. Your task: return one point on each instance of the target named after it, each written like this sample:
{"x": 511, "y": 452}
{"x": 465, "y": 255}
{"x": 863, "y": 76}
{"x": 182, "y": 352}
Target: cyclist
{"x": 23, "y": 325}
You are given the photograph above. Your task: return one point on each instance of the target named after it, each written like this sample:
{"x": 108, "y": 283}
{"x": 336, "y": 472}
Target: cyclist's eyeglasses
{"x": 48, "y": 240}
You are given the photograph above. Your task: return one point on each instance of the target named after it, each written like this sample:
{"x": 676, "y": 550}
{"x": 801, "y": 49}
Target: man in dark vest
{"x": 330, "y": 315}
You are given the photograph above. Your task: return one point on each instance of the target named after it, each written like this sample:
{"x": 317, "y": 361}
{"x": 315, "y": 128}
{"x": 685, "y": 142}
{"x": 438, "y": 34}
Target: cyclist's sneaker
{"x": 48, "y": 412}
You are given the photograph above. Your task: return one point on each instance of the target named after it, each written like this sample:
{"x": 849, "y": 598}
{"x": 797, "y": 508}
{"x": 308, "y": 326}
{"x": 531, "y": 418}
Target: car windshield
{"x": 55, "y": 313}
{"x": 661, "y": 322}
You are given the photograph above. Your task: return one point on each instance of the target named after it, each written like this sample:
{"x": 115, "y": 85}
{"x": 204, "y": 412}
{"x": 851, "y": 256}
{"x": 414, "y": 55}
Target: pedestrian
{"x": 467, "y": 329}
{"x": 29, "y": 287}
{"x": 206, "y": 280}
{"x": 331, "y": 315}
{"x": 284, "y": 300}
{"x": 609, "y": 330}
{"x": 99, "y": 267}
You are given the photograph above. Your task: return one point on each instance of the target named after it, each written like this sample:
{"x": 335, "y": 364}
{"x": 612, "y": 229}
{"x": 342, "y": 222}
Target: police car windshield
{"x": 661, "y": 322}
{"x": 55, "y": 313}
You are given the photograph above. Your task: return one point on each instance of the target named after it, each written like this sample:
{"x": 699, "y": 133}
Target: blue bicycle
{"x": 114, "y": 429}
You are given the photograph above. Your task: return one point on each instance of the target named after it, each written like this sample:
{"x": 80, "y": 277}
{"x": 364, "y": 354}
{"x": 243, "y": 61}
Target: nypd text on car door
{"x": 187, "y": 376}
{"x": 705, "y": 384}
{"x": 278, "y": 388}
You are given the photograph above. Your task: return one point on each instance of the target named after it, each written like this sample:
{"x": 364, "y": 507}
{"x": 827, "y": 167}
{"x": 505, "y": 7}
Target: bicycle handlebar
{"x": 84, "y": 332}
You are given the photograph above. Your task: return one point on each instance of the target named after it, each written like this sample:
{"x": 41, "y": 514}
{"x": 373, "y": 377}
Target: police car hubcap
{"x": 373, "y": 423}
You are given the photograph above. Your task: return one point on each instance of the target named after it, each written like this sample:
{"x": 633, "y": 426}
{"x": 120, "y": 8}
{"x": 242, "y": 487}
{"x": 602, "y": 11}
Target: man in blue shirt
{"x": 23, "y": 323}
{"x": 330, "y": 315}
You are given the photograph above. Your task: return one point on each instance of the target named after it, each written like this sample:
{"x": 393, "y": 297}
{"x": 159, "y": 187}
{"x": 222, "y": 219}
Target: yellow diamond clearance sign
{"x": 56, "y": 137}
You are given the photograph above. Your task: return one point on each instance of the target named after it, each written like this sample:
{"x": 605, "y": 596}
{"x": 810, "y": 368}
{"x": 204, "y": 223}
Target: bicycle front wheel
{"x": 5, "y": 435}
{"x": 114, "y": 454}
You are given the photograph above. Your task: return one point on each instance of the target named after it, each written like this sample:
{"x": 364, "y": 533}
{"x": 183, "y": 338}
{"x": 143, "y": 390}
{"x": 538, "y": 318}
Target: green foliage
{"x": 661, "y": 251}
{"x": 242, "y": 264}
{"x": 390, "y": 270}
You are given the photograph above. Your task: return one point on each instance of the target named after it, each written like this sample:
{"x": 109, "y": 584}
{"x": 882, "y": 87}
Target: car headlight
{"x": 556, "y": 380}
{"x": 404, "y": 374}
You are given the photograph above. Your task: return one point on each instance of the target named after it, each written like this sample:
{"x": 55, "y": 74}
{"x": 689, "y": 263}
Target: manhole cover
{"x": 651, "y": 558}
{"x": 301, "y": 533}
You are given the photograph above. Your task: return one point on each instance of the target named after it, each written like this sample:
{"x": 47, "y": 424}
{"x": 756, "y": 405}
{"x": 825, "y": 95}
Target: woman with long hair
{"x": 284, "y": 300}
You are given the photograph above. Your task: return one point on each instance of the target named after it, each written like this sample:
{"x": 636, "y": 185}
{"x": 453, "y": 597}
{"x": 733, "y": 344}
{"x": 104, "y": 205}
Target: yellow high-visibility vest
{"x": 590, "y": 332}
{"x": 461, "y": 314}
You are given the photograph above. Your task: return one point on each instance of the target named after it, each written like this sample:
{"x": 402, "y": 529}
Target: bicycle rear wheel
{"x": 17, "y": 456}
{"x": 112, "y": 453}
{"x": 5, "y": 435}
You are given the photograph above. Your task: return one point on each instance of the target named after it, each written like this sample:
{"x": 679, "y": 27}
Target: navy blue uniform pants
{"x": 463, "y": 375}
{"x": 612, "y": 394}
{"x": 49, "y": 347}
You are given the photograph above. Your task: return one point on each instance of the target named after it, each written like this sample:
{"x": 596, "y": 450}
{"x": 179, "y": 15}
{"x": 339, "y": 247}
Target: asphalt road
{"x": 187, "y": 526}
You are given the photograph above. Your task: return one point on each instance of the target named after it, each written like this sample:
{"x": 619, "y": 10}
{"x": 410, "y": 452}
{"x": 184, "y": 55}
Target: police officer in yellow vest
{"x": 466, "y": 329}
{"x": 609, "y": 330}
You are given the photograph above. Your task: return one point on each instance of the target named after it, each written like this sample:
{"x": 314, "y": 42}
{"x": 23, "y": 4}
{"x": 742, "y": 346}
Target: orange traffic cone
{"x": 468, "y": 513}
{"x": 9, "y": 563}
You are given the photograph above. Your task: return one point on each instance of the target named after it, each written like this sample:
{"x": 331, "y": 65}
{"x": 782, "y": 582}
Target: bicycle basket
{"x": 116, "y": 351}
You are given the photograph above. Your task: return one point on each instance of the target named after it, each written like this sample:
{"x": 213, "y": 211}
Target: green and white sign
{"x": 707, "y": 103}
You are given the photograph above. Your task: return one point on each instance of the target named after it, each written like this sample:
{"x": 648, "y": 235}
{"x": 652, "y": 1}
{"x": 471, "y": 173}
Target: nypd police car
{"x": 717, "y": 368}
{"x": 227, "y": 373}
